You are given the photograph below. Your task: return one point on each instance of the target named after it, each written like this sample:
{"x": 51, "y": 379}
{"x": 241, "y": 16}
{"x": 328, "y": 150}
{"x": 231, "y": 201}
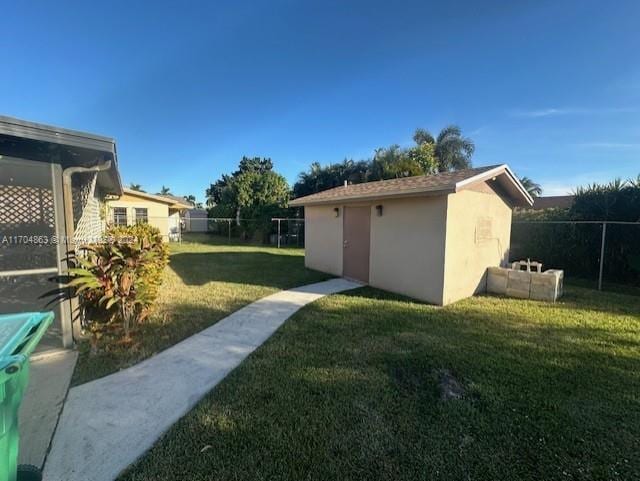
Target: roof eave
{"x": 359, "y": 198}
{"x": 156, "y": 198}
{"x": 525, "y": 199}
{"x": 146, "y": 195}
{"x": 516, "y": 192}
{"x": 57, "y": 135}
{"x": 180, "y": 206}
{"x": 514, "y": 178}
{"x": 114, "y": 173}
{"x": 23, "y": 129}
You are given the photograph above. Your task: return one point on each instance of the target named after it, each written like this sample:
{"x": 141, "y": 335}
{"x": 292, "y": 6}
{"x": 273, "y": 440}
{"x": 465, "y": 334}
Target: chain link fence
{"x": 601, "y": 254}
{"x": 279, "y": 232}
{"x": 596, "y": 253}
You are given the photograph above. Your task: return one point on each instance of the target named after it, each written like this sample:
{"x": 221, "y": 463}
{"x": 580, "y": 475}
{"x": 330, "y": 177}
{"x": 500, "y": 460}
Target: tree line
{"x": 256, "y": 191}
{"x": 450, "y": 150}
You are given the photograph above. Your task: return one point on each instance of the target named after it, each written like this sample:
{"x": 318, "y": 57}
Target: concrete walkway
{"x": 49, "y": 378}
{"x": 108, "y": 423}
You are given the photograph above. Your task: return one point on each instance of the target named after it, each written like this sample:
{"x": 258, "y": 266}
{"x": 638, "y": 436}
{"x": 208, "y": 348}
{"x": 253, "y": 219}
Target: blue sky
{"x": 186, "y": 88}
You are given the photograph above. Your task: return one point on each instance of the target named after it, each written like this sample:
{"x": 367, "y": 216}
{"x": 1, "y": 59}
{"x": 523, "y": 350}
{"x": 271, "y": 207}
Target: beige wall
{"x": 158, "y": 212}
{"x": 478, "y": 236}
{"x": 407, "y": 247}
{"x": 323, "y": 239}
{"x": 436, "y": 249}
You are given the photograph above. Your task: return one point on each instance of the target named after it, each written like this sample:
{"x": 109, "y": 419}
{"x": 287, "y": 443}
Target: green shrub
{"x": 118, "y": 280}
{"x": 151, "y": 271}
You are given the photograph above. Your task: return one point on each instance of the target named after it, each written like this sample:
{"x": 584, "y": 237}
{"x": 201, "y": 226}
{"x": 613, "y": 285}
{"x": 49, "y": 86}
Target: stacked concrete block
{"x": 497, "y": 280}
{"x": 546, "y": 286}
{"x": 518, "y": 284}
{"x": 543, "y": 286}
{"x": 527, "y": 265}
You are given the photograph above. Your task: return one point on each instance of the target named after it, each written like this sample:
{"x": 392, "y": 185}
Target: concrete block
{"x": 546, "y": 286}
{"x": 543, "y": 280}
{"x": 541, "y": 286}
{"x": 529, "y": 266}
{"x": 518, "y": 284}
{"x": 542, "y": 293}
{"x": 497, "y": 280}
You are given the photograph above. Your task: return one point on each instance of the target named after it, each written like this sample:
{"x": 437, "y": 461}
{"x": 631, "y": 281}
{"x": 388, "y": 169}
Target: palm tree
{"x": 191, "y": 199}
{"x": 534, "y": 189}
{"x": 136, "y": 187}
{"x": 164, "y": 191}
{"x": 451, "y": 149}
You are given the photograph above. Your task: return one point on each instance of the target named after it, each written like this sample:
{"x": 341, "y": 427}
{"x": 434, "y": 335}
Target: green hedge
{"x": 575, "y": 247}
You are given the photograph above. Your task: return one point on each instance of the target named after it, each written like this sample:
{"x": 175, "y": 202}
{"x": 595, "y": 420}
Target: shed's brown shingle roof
{"x": 442, "y": 183}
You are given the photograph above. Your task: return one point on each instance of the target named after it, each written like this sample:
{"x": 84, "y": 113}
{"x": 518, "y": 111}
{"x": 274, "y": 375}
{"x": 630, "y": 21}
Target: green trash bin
{"x": 19, "y": 335}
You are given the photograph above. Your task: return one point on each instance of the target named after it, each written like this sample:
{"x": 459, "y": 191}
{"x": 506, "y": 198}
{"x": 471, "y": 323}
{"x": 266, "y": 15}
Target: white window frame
{"x": 117, "y": 217}
{"x": 144, "y": 219}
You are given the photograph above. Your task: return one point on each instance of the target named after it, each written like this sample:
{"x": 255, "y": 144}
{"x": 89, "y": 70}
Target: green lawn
{"x": 348, "y": 390}
{"x": 206, "y": 280}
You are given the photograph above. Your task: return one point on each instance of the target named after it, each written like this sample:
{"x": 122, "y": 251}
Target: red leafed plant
{"x": 117, "y": 281}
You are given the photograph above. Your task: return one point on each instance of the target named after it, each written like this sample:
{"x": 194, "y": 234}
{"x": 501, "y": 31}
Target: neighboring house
{"x": 182, "y": 201}
{"x": 161, "y": 211}
{"x": 53, "y": 183}
{"x": 553, "y": 202}
{"x": 428, "y": 237}
{"x": 196, "y": 220}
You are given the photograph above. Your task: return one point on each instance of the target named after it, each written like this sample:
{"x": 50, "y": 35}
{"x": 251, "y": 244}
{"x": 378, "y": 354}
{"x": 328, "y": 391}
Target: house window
{"x": 119, "y": 216}
{"x": 141, "y": 215}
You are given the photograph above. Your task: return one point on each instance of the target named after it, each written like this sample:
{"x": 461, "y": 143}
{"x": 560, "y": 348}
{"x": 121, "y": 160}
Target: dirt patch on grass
{"x": 450, "y": 387}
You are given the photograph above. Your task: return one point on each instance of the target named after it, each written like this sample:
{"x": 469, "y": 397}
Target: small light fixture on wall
{"x": 336, "y": 212}
{"x": 379, "y": 210}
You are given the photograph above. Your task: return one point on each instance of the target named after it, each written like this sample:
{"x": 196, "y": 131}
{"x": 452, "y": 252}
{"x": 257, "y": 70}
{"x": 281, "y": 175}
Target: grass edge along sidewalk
{"x": 206, "y": 280}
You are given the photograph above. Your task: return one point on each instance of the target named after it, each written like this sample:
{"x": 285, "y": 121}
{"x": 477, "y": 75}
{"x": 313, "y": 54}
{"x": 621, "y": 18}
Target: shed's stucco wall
{"x": 436, "y": 249}
{"x": 323, "y": 239}
{"x": 157, "y": 212}
{"x": 472, "y": 246}
{"x": 408, "y": 247}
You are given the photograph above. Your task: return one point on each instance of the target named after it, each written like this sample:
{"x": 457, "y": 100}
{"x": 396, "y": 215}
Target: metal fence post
{"x": 604, "y": 235}
{"x": 229, "y": 222}
{"x": 278, "y": 233}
